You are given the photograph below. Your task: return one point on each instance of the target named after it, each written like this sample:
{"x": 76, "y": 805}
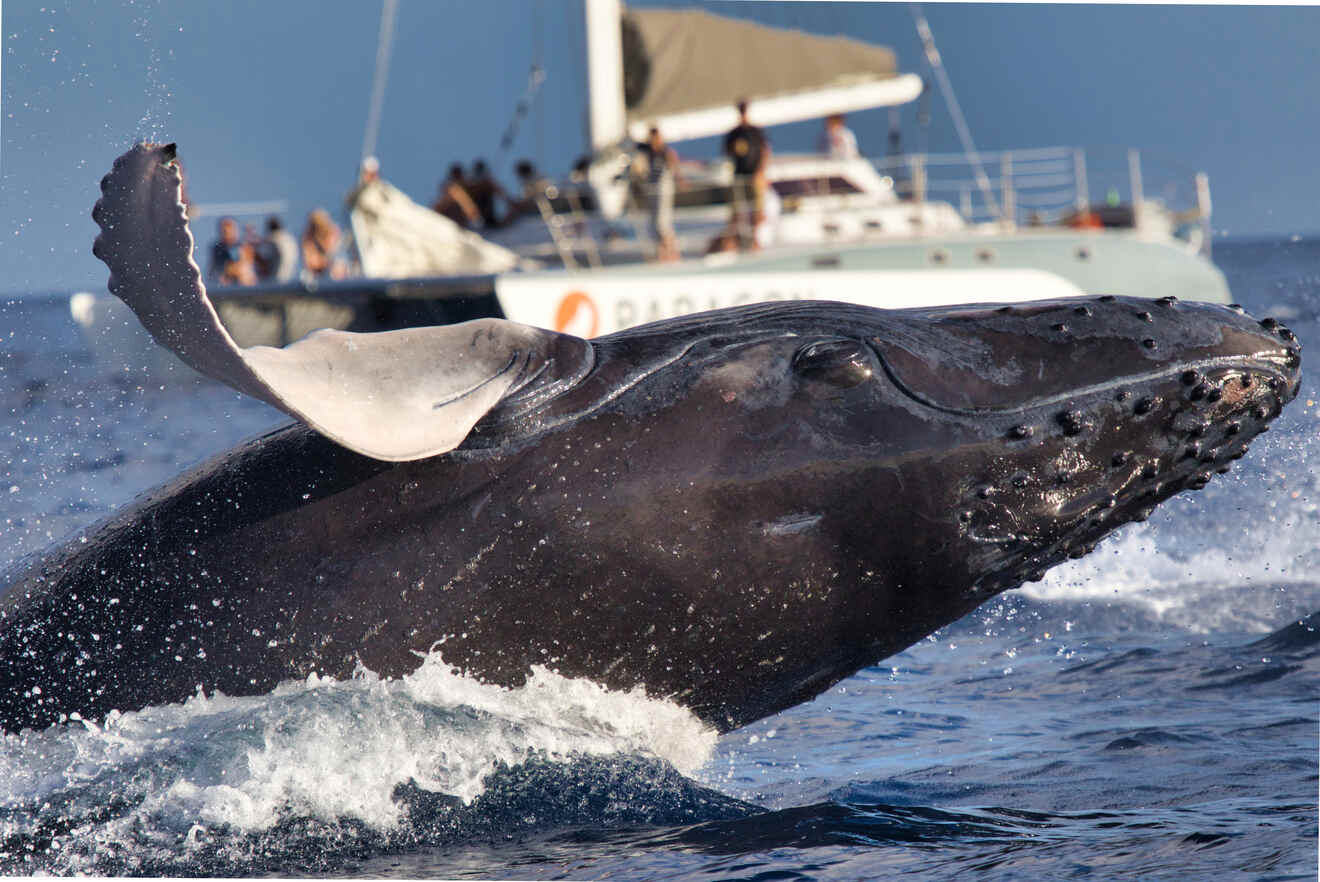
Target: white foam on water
{"x": 1242, "y": 555}
{"x": 336, "y": 749}
{"x": 1254, "y": 586}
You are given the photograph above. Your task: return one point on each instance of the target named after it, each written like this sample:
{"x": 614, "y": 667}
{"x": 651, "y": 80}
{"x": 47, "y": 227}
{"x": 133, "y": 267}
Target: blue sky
{"x": 268, "y": 100}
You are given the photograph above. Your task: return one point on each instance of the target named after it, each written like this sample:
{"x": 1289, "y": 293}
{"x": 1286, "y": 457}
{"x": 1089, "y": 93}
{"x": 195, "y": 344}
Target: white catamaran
{"x": 907, "y": 230}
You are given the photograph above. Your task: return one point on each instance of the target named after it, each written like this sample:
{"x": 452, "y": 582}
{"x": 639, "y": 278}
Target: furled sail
{"x": 685, "y": 69}
{"x": 397, "y": 238}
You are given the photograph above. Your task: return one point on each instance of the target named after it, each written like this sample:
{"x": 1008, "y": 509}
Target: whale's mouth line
{"x": 1277, "y": 366}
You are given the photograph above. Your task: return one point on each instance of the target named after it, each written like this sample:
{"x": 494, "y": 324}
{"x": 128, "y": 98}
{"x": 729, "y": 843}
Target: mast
{"x": 384, "y": 42}
{"x": 606, "y": 114}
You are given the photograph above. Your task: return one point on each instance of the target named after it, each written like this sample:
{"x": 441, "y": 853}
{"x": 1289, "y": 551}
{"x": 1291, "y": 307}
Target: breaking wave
{"x": 214, "y": 775}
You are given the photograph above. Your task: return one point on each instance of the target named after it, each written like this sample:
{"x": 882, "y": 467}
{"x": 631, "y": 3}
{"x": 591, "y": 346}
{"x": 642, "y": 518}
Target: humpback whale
{"x": 733, "y": 510}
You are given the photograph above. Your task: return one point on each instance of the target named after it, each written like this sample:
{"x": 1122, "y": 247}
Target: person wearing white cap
{"x": 369, "y": 170}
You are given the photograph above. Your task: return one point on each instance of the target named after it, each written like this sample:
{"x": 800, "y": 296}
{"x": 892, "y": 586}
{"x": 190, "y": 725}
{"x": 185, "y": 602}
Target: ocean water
{"x": 1151, "y": 711}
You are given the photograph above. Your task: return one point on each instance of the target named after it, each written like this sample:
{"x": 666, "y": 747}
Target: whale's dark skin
{"x": 734, "y": 510}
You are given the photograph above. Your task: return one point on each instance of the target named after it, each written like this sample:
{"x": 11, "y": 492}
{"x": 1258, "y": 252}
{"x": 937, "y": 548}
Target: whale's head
{"x": 1084, "y": 414}
{"x": 1014, "y": 436}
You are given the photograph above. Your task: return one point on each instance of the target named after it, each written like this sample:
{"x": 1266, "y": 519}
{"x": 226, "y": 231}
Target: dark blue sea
{"x": 1148, "y": 712}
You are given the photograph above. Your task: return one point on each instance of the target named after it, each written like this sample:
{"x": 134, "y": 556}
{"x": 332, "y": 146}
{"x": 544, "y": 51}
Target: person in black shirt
{"x": 749, "y": 149}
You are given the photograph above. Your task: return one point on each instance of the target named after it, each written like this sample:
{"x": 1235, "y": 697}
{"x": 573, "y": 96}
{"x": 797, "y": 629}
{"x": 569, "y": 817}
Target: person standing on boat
{"x": 838, "y": 141}
{"x": 662, "y": 175}
{"x": 749, "y": 149}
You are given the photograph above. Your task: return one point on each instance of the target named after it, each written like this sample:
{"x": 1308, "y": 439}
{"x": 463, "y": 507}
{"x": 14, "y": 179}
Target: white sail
{"x": 397, "y": 238}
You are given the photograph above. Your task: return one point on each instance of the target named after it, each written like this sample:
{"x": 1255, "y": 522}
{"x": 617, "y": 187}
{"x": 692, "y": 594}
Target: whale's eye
{"x": 843, "y": 363}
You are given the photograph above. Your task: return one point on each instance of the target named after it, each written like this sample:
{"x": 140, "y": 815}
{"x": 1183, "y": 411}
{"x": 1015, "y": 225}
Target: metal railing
{"x": 1040, "y": 186}
{"x": 1047, "y": 186}
{"x": 569, "y": 231}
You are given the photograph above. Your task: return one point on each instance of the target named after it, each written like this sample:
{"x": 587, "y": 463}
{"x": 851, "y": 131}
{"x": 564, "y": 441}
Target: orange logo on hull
{"x": 577, "y": 314}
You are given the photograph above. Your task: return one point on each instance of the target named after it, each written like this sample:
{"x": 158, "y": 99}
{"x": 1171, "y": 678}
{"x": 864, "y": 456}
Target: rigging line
{"x": 535, "y": 77}
{"x": 384, "y": 43}
{"x": 538, "y": 60}
{"x": 959, "y": 123}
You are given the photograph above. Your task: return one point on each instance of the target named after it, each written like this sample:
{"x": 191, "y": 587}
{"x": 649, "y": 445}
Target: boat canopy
{"x": 684, "y": 70}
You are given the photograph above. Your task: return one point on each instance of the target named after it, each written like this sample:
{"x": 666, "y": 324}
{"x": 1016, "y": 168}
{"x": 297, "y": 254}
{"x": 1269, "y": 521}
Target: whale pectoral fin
{"x": 394, "y": 395}
{"x": 146, "y": 243}
{"x": 399, "y": 395}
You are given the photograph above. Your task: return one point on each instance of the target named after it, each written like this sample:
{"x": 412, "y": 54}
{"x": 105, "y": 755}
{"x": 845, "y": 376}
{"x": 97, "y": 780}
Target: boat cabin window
{"x": 698, "y": 196}
{"x": 824, "y": 185}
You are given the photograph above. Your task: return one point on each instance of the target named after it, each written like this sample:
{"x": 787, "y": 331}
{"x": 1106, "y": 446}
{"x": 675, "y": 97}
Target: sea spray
{"x": 325, "y": 749}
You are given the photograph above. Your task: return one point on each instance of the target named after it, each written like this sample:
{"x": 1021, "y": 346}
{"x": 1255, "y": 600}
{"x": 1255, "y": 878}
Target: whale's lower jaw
{"x": 1116, "y": 453}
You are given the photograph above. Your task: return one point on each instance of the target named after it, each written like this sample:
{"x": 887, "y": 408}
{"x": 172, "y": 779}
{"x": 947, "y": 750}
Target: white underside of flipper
{"x": 394, "y": 395}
